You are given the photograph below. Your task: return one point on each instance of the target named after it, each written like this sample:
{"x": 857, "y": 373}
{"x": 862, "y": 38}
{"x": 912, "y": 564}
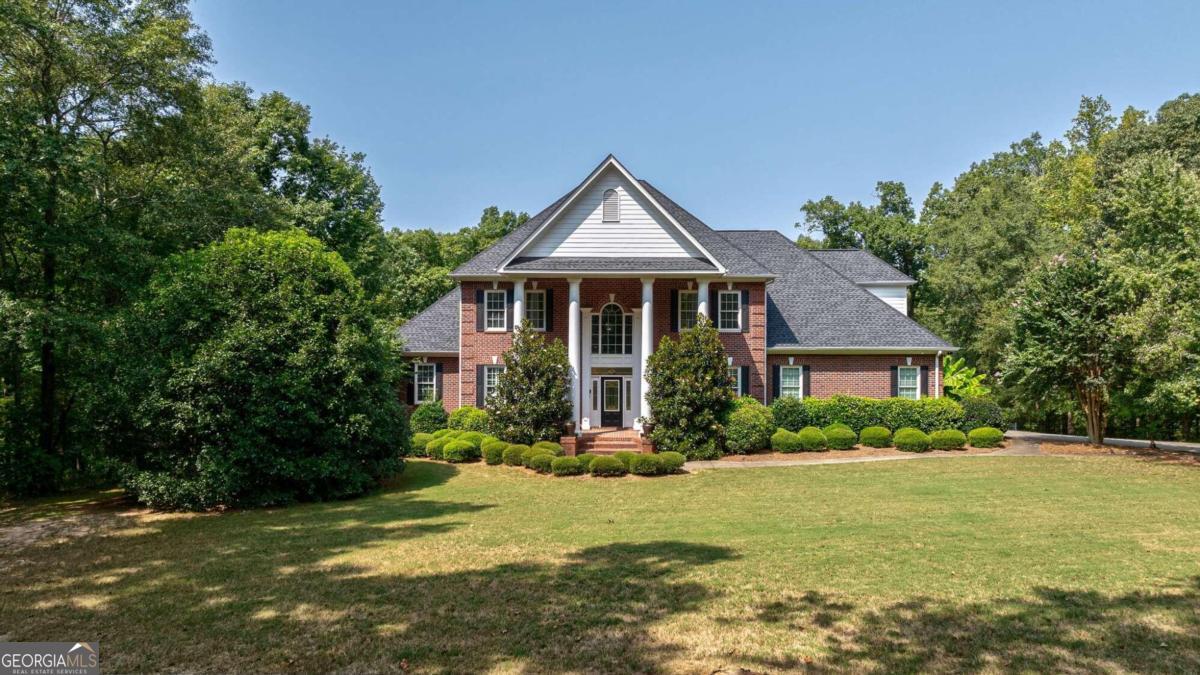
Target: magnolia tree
{"x": 690, "y": 390}
{"x": 532, "y": 399}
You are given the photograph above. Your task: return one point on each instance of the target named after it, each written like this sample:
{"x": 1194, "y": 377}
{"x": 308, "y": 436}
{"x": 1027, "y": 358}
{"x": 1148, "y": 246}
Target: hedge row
{"x": 856, "y": 412}
{"x": 908, "y": 439}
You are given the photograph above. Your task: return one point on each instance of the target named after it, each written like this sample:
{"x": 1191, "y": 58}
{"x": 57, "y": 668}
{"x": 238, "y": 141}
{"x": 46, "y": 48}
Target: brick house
{"x": 614, "y": 266}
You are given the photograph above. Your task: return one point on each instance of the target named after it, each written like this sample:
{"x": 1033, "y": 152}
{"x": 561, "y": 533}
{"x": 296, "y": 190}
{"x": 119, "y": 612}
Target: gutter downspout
{"x": 937, "y": 374}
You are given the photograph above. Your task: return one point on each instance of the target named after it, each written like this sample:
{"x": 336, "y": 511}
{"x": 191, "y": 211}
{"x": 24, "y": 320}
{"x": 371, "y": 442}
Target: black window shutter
{"x": 745, "y": 388}
{"x": 745, "y": 310}
{"x": 924, "y": 381}
{"x": 549, "y": 309}
{"x": 479, "y": 386}
{"x": 508, "y": 309}
{"x": 479, "y": 309}
{"x": 437, "y": 381}
{"x": 806, "y": 380}
{"x": 774, "y": 382}
{"x": 895, "y": 381}
{"x": 713, "y": 310}
{"x": 674, "y": 310}
{"x": 409, "y": 391}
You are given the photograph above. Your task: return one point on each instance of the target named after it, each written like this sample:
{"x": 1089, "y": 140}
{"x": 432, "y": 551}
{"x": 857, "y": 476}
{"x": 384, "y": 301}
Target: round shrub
{"x": 566, "y": 466}
{"x": 470, "y": 418}
{"x": 513, "y": 453}
{"x": 459, "y": 451}
{"x": 789, "y": 413}
{"x": 749, "y": 427}
{"x": 672, "y": 462}
{"x": 785, "y": 441}
{"x": 493, "y": 451}
{"x": 433, "y": 449}
{"x": 645, "y": 465}
{"x": 980, "y": 412}
{"x": 835, "y": 425}
{"x": 541, "y": 462}
{"x": 428, "y": 417}
{"x": 909, "y": 439}
{"x": 554, "y": 448}
{"x": 529, "y": 453}
{"x": 812, "y": 440}
{"x": 875, "y": 437}
{"x": 947, "y": 439}
{"x": 585, "y": 460}
{"x": 442, "y": 432}
{"x": 418, "y": 443}
{"x": 473, "y": 437}
{"x": 604, "y": 465}
{"x": 986, "y": 437}
{"x": 624, "y": 457}
{"x": 840, "y": 437}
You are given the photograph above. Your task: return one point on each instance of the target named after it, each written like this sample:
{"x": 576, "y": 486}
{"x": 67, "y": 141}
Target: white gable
{"x": 641, "y": 231}
{"x": 896, "y": 296}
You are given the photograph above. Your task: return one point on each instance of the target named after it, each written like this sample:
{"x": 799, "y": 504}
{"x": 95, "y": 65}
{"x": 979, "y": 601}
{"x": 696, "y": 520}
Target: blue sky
{"x": 740, "y": 111}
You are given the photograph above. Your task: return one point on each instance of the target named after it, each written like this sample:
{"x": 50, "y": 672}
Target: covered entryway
{"x": 611, "y": 410}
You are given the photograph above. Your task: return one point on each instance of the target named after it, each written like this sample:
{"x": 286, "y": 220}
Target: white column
{"x": 573, "y": 349}
{"x": 518, "y": 303}
{"x": 647, "y": 339}
{"x": 702, "y": 297}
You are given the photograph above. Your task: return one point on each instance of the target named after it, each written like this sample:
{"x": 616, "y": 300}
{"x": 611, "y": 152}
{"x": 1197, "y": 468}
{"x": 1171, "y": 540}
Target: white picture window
{"x": 535, "y": 309}
{"x": 689, "y": 304}
{"x": 424, "y": 383}
{"x": 491, "y": 378}
{"x": 735, "y": 374}
{"x": 729, "y": 315}
{"x": 908, "y": 380}
{"x": 495, "y": 310}
{"x": 791, "y": 382}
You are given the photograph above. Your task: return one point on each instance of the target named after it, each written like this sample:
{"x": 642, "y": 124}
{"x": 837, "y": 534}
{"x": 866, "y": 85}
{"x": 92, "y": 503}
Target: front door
{"x": 610, "y": 401}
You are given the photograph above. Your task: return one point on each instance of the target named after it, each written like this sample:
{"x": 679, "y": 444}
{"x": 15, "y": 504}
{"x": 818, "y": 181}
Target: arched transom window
{"x": 612, "y": 331}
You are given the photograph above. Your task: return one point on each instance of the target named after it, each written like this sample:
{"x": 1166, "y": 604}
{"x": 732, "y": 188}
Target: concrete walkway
{"x": 1036, "y": 437}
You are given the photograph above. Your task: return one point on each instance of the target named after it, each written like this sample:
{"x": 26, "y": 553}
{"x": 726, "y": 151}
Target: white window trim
{"x": 799, "y": 382}
{"x": 737, "y": 378}
{"x": 545, "y": 318}
{"x": 504, "y": 313}
{"x": 738, "y": 295}
{"x": 417, "y": 400}
{"x": 486, "y": 370}
{"x": 917, "y": 369}
{"x": 679, "y": 313}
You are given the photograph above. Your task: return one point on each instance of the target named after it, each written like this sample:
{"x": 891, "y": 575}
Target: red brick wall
{"x": 867, "y": 375}
{"x": 595, "y": 293}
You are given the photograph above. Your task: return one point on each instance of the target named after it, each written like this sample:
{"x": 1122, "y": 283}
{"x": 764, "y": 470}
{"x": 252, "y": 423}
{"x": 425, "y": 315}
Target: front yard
{"x": 982, "y": 563}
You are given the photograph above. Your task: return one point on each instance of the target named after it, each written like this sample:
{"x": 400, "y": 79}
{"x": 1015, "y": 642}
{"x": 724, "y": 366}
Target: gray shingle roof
{"x": 613, "y": 264}
{"x": 436, "y": 328}
{"x": 861, "y": 267}
{"x": 810, "y": 306}
{"x": 735, "y": 261}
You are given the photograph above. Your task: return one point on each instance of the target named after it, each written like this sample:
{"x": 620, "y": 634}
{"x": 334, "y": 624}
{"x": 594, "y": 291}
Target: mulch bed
{"x": 859, "y": 451}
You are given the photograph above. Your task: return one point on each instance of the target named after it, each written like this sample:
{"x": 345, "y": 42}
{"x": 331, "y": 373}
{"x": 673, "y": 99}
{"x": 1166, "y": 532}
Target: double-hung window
{"x": 535, "y": 309}
{"x": 495, "y": 307}
{"x": 491, "y": 378}
{"x": 908, "y": 382}
{"x": 689, "y": 305}
{"x": 729, "y": 310}
{"x": 735, "y": 376}
{"x": 791, "y": 382}
{"x": 424, "y": 383}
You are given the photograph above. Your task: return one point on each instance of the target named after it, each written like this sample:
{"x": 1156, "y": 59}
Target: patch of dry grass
{"x": 994, "y": 564}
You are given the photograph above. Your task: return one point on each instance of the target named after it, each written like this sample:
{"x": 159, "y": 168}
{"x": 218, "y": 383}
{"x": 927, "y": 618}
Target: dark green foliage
{"x": 645, "y": 465}
{"x": 790, "y": 413}
{"x": 541, "y": 462}
{"x": 985, "y": 437}
{"x": 672, "y": 462}
{"x": 875, "y": 437}
{"x": 812, "y": 440}
{"x": 947, "y": 439}
{"x": 428, "y": 417}
{"x": 418, "y": 444}
{"x": 433, "y": 449}
{"x": 585, "y": 460}
{"x": 567, "y": 466}
{"x": 625, "y": 457}
{"x": 493, "y": 451}
{"x": 980, "y": 412}
{"x": 785, "y": 441}
{"x": 689, "y": 392}
{"x": 909, "y": 439}
{"x": 749, "y": 426}
{"x": 460, "y": 451}
{"x": 858, "y": 412}
{"x": 514, "y": 453}
{"x": 470, "y": 418}
{"x": 251, "y": 372}
{"x": 604, "y": 465}
{"x": 840, "y": 437}
{"x": 554, "y": 448}
{"x": 532, "y": 399}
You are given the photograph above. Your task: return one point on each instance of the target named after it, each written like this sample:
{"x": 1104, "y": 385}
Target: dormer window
{"x": 612, "y": 206}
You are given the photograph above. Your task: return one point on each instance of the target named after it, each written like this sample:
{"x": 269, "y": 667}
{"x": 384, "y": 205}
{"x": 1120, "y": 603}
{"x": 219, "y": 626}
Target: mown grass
{"x": 980, "y": 563}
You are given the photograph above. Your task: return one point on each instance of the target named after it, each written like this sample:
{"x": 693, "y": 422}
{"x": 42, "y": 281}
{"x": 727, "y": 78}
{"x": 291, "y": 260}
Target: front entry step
{"x": 610, "y": 441}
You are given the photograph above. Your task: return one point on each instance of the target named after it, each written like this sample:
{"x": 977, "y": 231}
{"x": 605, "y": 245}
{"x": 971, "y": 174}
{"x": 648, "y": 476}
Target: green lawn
{"x": 973, "y": 563}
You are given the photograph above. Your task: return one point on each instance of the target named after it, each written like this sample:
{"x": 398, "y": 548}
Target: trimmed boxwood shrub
{"x": 645, "y": 465}
{"x": 442, "y": 432}
{"x": 875, "y": 437}
{"x": 585, "y": 460}
{"x": 624, "y": 457}
{"x": 789, "y": 413}
{"x": 909, "y": 439}
{"x": 858, "y": 412}
{"x": 947, "y": 439}
{"x": 812, "y": 440}
{"x": 986, "y": 437}
{"x": 514, "y": 453}
{"x": 840, "y": 437}
{"x": 541, "y": 462}
{"x": 553, "y": 447}
{"x": 470, "y": 418}
{"x": 604, "y": 465}
{"x": 428, "y": 417}
{"x": 672, "y": 462}
{"x": 473, "y": 437}
{"x": 980, "y": 412}
{"x": 749, "y": 426}
{"x": 460, "y": 451}
{"x": 418, "y": 443}
{"x": 433, "y": 449}
{"x": 528, "y": 455}
{"x": 566, "y": 466}
{"x": 493, "y": 451}
{"x": 785, "y": 441}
